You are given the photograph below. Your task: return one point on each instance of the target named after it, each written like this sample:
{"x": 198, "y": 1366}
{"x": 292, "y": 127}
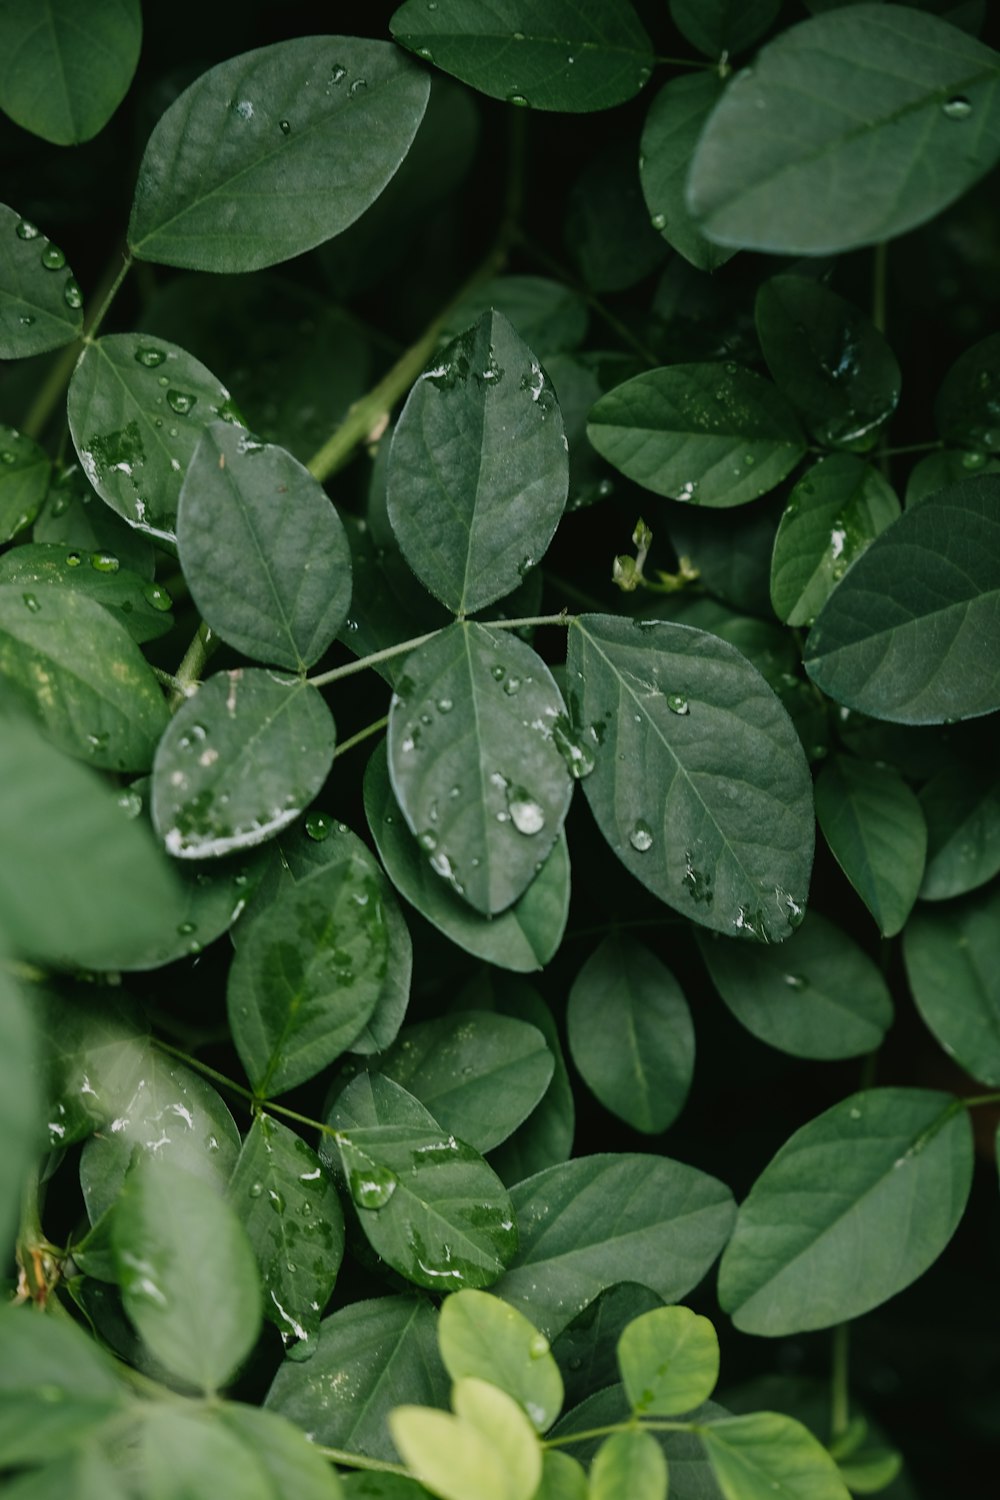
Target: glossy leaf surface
{"x": 479, "y": 1335}
{"x": 675, "y": 121}
{"x": 63, "y": 71}
{"x": 952, "y": 958}
{"x": 41, "y": 306}
{"x": 669, "y": 1359}
{"x": 875, "y": 828}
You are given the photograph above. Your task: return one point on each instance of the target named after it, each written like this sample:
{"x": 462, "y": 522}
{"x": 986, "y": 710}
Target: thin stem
{"x": 364, "y": 662}
{"x": 91, "y": 325}
{"x": 913, "y": 448}
{"x": 613, "y": 1427}
{"x": 258, "y": 1106}
{"x": 166, "y": 680}
{"x": 840, "y": 1405}
{"x": 361, "y": 736}
{"x": 976, "y": 1099}
{"x": 685, "y": 62}
{"x": 359, "y": 1460}
{"x": 193, "y": 664}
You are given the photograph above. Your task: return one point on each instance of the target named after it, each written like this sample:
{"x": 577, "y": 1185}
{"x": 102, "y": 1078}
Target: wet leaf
{"x": 41, "y": 306}
{"x": 961, "y": 806}
{"x": 967, "y": 409}
{"x": 479, "y": 1335}
{"x": 675, "y": 121}
{"x": 25, "y": 469}
{"x": 64, "y": 72}
{"x": 143, "y": 608}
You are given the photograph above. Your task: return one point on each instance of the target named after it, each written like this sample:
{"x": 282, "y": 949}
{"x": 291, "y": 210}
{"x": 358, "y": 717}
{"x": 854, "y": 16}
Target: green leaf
{"x": 20, "y": 1101}
{"x": 388, "y": 605}
{"x": 629, "y": 1463}
{"x": 690, "y": 1475}
{"x": 961, "y": 806}
{"x": 631, "y": 1035}
{"x": 593, "y": 1222}
{"x": 562, "y": 1478}
{"x": 549, "y": 316}
{"x": 74, "y": 516}
{"x": 834, "y": 512}
{"x": 967, "y": 409}
{"x": 137, "y": 407}
{"x": 41, "y": 306}
{"x": 522, "y": 938}
{"x": 188, "y": 1274}
{"x": 911, "y": 633}
{"x": 607, "y": 224}
{"x": 474, "y": 762}
{"x": 587, "y": 1350}
{"x": 92, "y": 1054}
{"x": 282, "y": 1454}
{"x": 900, "y": 101}
{"x": 273, "y": 152}
{"x": 818, "y": 996}
{"x": 238, "y": 761}
{"x": 488, "y": 1448}
{"x": 754, "y": 1456}
{"x": 542, "y": 54}
{"x": 714, "y": 434}
{"x": 875, "y": 828}
{"x": 307, "y": 976}
{"x": 64, "y": 72}
{"x": 669, "y": 1359}
{"x": 82, "y": 675}
{"x": 942, "y": 468}
{"x": 263, "y": 550}
{"x": 370, "y": 1357}
{"x": 952, "y": 959}
{"x": 25, "y": 470}
{"x": 674, "y": 123}
{"x": 480, "y": 1335}
{"x": 717, "y": 27}
{"x": 700, "y": 785}
{"x": 829, "y": 360}
{"x": 290, "y": 1210}
{"x": 56, "y": 1386}
{"x": 188, "y": 1451}
{"x": 855, "y": 1205}
{"x": 478, "y": 470}
{"x": 142, "y": 608}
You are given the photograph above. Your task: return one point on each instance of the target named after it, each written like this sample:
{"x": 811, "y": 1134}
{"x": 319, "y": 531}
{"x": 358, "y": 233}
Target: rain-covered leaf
{"x": 837, "y": 508}
{"x": 967, "y": 409}
{"x": 272, "y": 152}
{"x": 522, "y": 938}
{"x": 307, "y": 976}
{"x": 700, "y": 784}
{"x": 75, "y": 516}
{"x": 538, "y": 54}
{"x": 25, "y": 469}
{"x": 829, "y": 360}
{"x": 875, "y": 828}
{"x": 629, "y": 1463}
{"x": 714, "y": 434}
{"x": 952, "y": 958}
{"x": 631, "y": 1034}
{"x": 944, "y": 467}
{"x": 854, "y": 1206}
{"x": 912, "y": 633}
{"x": 587, "y": 1224}
{"x": 41, "y": 305}
{"x": 719, "y": 27}
{"x": 92, "y": 1054}
{"x": 818, "y": 995}
{"x": 20, "y": 1098}
{"x": 961, "y": 806}
{"x": 263, "y": 550}
{"x": 482, "y": 1336}
{"x": 474, "y": 761}
{"x": 188, "y": 1276}
{"x": 143, "y": 608}
{"x": 283, "y": 1455}
{"x": 478, "y": 470}
{"x": 137, "y": 407}
{"x": 55, "y": 1385}
{"x": 64, "y": 70}
{"x": 238, "y": 761}
{"x": 290, "y": 1209}
{"x": 675, "y": 121}
{"x": 755, "y": 1456}
{"x": 669, "y": 1359}
{"x": 876, "y": 94}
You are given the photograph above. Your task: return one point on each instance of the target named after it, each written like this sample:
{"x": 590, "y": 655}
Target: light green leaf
{"x": 82, "y": 675}
{"x": 188, "y": 1451}
{"x": 307, "y": 976}
{"x": 562, "y": 1478}
{"x": 593, "y": 1222}
{"x": 837, "y": 508}
{"x": 881, "y": 94}
{"x": 717, "y": 27}
{"x": 281, "y": 1452}
{"x": 273, "y": 152}
{"x": 480, "y": 1335}
{"x": 548, "y": 315}
{"x": 64, "y": 71}
{"x": 714, "y": 434}
{"x": 488, "y": 1448}
{"x": 542, "y": 54}
{"x": 587, "y": 1350}
{"x": 912, "y": 634}
{"x": 700, "y": 785}
{"x": 188, "y": 1274}
{"x": 290, "y": 1209}
{"x": 474, "y": 761}
{"x": 478, "y": 470}
{"x": 20, "y": 1100}
{"x": 263, "y": 550}
{"x": 967, "y": 409}
{"x": 631, "y": 1035}
{"x": 756, "y": 1456}
{"x": 875, "y": 828}
{"x": 371, "y": 1356}
{"x": 855, "y": 1205}
{"x": 669, "y": 1359}
{"x": 25, "y": 470}
{"x": 819, "y": 995}
{"x": 142, "y": 608}
{"x": 238, "y": 761}
{"x": 522, "y": 938}
{"x": 961, "y": 806}
{"x": 952, "y": 956}
{"x": 56, "y": 1385}
{"x": 41, "y": 306}
{"x": 629, "y": 1463}
{"x": 674, "y": 123}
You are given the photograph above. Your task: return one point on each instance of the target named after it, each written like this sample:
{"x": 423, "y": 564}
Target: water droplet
{"x": 243, "y": 108}
{"x": 26, "y": 319}
{"x": 973, "y": 460}
{"x": 575, "y": 752}
{"x": 678, "y": 704}
{"x": 641, "y": 837}
{"x": 104, "y": 562}
{"x": 374, "y": 1187}
{"x": 498, "y": 672}
{"x": 526, "y": 814}
{"x": 795, "y": 981}
{"x": 427, "y": 840}
{"x": 284, "y": 127}
{"x": 539, "y": 1346}
{"x": 185, "y": 929}
{"x": 957, "y": 107}
{"x": 511, "y": 686}
{"x": 72, "y": 295}
{"x": 31, "y": 603}
{"x": 53, "y": 258}
{"x": 73, "y": 559}
{"x": 518, "y": 36}
{"x": 425, "y": 53}
{"x": 318, "y": 826}
{"x": 149, "y": 357}
{"x": 659, "y": 221}
{"x": 155, "y": 595}
{"x": 180, "y": 401}
{"x": 337, "y": 73}
{"x": 26, "y": 230}
{"x": 855, "y": 1114}
{"x": 356, "y": 87}
{"x": 445, "y": 705}
{"x": 518, "y": 100}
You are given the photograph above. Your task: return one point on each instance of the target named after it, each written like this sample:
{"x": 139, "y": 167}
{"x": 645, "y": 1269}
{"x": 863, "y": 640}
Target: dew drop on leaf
{"x": 574, "y": 751}
{"x": 285, "y": 127}
{"x": 678, "y": 704}
{"x": 526, "y": 814}
{"x": 318, "y": 826}
{"x": 52, "y": 258}
{"x": 155, "y": 595}
{"x": 104, "y": 562}
{"x": 180, "y": 401}
{"x": 957, "y": 107}
{"x": 539, "y": 1346}
{"x": 31, "y": 603}
{"x": 518, "y": 100}
{"x": 373, "y": 1188}
{"x": 149, "y": 357}
{"x": 26, "y": 230}
{"x": 795, "y": 981}
{"x": 72, "y": 295}
{"x": 641, "y": 836}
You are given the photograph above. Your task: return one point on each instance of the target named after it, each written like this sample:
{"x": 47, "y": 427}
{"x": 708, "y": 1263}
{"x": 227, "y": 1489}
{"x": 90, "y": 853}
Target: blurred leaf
{"x": 629, "y": 1463}
{"x": 967, "y": 409}
{"x": 25, "y": 470}
{"x": 669, "y": 1359}
{"x": 481, "y": 1336}
{"x": 961, "y": 806}
{"x": 143, "y": 608}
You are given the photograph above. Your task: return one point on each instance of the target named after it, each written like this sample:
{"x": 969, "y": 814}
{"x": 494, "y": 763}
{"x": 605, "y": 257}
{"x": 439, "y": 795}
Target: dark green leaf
{"x": 41, "y": 306}
{"x": 631, "y": 1035}
{"x": 25, "y": 470}
{"x": 961, "y": 806}
{"x": 911, "y": 634}
{"x": 754, "y": 1456}
{"x": 946, "y": 467}
{"x": 690, "y": 1475}
{"x": 875, "y": 828}
{"x": 549, "y": 316}
{"x": 307, "y": 976}
{"x": 74, "y": 516}
{"x": 479, "y": 1335}
{"x": 474, "y": 762}
{"x": 819, "y": 995}
{"x": 542, "y": 54}
{"x": 669, "y": 1359}
{"x": 607, "y": 228}
{"x": 55, "y": 1386}
{"x": 717, "y": 27}
{"x": 20, "y": 1099}
{"x": 674, "y": 123}
{"x": 64, "y": 71}
{"x": 700, "y": 786}
{"x": 238, "y": 761}
{"x": 275, "y": 151}
{"x": 713, "y": 434}
{"x": 598, "y": 1220}
{"x": 478, "y": 469}
{"x": 732, "y": 551}
{"x": 388, "y": 606}
{"x": 143, "y": 608}
{"x": 903, "y": 102}
{"x": 263, "y": 550}
{"x": 967, "y": 410}
{"x": 283, "y": 1455}
{"x": 855, "y": 1206}
{"x": 953, "y": 964}
{"x": 188, "y": 1275}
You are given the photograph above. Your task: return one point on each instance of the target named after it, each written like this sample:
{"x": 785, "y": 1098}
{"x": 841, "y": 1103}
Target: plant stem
{"x": 913, "y": 448}
{"x": 840, "y": 1406}
{"x": 257, "y": 1105}
{"x": 107, "y": 292}
{"x": 364, "y": 662}
{"x": 613, "y": 1427}
{"x": 193, "y": 664}
{"x": 361, "y": 736}
{"x": 360, "y": 1461}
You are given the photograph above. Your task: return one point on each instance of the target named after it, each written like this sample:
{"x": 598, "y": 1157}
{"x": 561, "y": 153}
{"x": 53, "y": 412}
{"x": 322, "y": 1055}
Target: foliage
{"x": 441, "y": 1246}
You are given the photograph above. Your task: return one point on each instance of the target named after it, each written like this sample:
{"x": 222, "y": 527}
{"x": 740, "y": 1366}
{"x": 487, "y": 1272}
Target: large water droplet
{"x": 356, "y": 87}
{"x": 678, "y": 704}
{"x": 72, "y": 295}
{"x": 526, "y": 814}
{"x": 104, "y": 562}
{"x": 373, "y": 1187}
{"x": 180, "y": 401}
{"x": 53, "y": 258}
{"x": 285, "y": 127}
{"x": 957, "y": 108}
{"x": 518, "y": 100}
{"x": 795, "y": 981}
{"x": 30, "y": 602}
{"x": 149, "y": 357}
{"x": 155, "y": 595}
{"x": 26, "y": 230}
{"x": 641, "y": 836}
{"x": 659, "y": 221}
{"x": 318, "y": 826}
{"x": 539, "y": 1346}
